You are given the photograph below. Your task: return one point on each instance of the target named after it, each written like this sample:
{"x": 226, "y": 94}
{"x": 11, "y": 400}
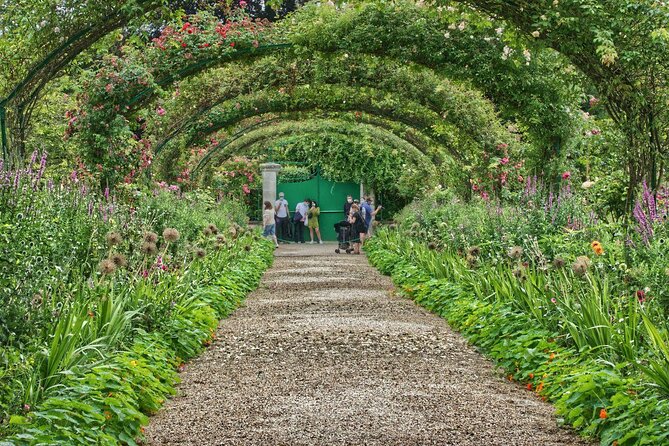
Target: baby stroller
{"x": 343, "y": 229}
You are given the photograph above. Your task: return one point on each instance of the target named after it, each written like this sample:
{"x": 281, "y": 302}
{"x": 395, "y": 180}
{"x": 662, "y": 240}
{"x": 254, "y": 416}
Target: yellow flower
{"x": 133, "y": 363}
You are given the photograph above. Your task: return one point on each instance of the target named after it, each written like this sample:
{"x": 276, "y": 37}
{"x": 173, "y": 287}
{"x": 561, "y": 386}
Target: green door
{"x": 329, "y": 195}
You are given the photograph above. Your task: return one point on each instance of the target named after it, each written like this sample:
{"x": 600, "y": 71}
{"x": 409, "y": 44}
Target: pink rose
{"x": 566, "y": 175}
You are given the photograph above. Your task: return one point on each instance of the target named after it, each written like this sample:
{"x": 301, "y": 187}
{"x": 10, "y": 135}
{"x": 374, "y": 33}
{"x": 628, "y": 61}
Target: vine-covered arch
{"x": 463, "y": 111}
{"x": 311, "y": 50}
{"x": 280, "y": 129}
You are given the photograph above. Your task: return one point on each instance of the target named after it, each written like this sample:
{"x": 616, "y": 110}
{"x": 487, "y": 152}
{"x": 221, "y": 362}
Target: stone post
{"x": 269, "y": 174}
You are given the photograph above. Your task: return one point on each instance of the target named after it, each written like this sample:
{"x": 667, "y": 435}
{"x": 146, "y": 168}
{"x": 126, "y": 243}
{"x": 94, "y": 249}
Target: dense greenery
{"x": 545, "y": 289}
{"x": 100, "y": 310}
{"x": 531, "y": 137}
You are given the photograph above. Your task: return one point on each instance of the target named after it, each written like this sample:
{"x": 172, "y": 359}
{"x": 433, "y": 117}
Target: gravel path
{"x": 324, "y": 353}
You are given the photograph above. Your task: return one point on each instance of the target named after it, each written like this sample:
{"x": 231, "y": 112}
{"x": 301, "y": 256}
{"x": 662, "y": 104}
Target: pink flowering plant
{"x": 114, "y": 107}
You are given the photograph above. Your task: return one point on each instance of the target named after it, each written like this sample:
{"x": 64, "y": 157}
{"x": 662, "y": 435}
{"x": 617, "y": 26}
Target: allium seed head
{"x": 247, "y": 248}
{"x": 119, "y": 260}
{"x": 200, "y": 253}
{"x": 474, "y": 251}
{"x": 171, "y": 235}
{"x": 149, "y": 248}
{"x": 432, "y": 246}
{"x": 150, "y": 237}
{"x": 213, "y": 228}
{"x": 579, "y": 267}
{"x": 114, "y": 238}
{"x": 106, "y": 267}
{"x": 207, "y": 232}
{"x": 558, "y": 263}
{"x": 516, "y": 252}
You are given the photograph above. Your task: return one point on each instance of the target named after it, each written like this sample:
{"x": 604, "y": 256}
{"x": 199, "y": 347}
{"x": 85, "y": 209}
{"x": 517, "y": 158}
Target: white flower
{"x": 527, "y": 55}
{"x": 536, "y": 34}
{"x": 462, "y": 26}
{"x": 499, "y": 31}
{"x": 452, "y": 26}
{"x": 447, "y": 35}
{"x": 506, "y": 52}
{"x": 56, "y": 30}
{"x": 588, "y": 184}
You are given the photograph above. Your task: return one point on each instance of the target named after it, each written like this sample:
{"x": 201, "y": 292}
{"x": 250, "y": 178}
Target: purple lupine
{"x": 644, "y": 228}
{"x": 107, "y": 193}
{"x": 649, "y": 201}
{"x": 42, "y": 167}
{"x": 33, "y": 158}
{"x": 17, "y": 176}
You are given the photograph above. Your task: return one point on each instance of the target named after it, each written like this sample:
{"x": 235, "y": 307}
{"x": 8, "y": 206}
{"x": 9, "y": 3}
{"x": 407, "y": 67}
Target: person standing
{"x": 282, "y": 218}
{"x": 369, "y": 213}
{"x": 299, "y": 220}
{"x": 347, "y": 206}
{"x": 269, "y": 223}
{"x": 358, "y": 228}
{"x": 313, "y": 225}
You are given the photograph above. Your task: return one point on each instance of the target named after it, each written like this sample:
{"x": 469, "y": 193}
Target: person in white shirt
{"x": 282, "y": 218}
{"x": 300, "y": 220}
{"x": 269, "y": 224}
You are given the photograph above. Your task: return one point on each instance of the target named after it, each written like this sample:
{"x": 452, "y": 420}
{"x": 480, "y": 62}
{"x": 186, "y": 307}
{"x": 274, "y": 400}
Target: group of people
{"x": 280, "y": 225}
{"x": 360, "y": 216}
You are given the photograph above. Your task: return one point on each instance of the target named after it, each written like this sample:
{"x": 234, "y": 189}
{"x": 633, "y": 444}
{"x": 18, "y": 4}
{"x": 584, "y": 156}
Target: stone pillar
{"x": 269, "y": 173}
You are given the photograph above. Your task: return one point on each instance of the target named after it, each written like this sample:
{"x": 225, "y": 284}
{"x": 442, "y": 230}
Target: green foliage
{"x": 603, "y": 399}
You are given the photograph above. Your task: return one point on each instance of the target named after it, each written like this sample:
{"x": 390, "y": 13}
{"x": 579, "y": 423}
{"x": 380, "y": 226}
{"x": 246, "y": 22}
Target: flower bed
{"x": 517, "y": 323}
{"x": 113, "y": 295}
{"x": 108, "y": 403}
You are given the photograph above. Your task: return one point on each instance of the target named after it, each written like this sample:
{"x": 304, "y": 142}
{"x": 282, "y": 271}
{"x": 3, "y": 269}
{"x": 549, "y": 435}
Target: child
{"x": 269, "y": 223}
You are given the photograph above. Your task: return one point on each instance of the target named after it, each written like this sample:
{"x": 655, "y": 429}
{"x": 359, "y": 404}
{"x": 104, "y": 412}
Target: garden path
{"x": 325, "y": 353}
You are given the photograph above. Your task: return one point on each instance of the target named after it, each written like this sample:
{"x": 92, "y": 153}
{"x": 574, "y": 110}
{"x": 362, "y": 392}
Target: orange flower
{"x": 107, "y": 414}
{"x": 603, "y": 414}
{"x": 529, "y": 386}
{"x": 597, "y": 248}
{"x": 552, "y": 356}
{"x": 531, "y": 375}
{"x": 540, "y": 387}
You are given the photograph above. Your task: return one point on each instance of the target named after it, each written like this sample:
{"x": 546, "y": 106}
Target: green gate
{"x": 329, "y": 195}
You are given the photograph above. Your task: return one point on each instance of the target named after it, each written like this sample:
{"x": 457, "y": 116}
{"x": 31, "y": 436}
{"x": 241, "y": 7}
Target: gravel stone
{"x": 325, "y": 353}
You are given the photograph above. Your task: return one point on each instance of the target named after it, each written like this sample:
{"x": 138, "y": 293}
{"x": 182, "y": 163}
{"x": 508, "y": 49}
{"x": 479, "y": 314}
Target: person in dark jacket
{"x": 347, "y": 206}
{"x": 358, "y": 228}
